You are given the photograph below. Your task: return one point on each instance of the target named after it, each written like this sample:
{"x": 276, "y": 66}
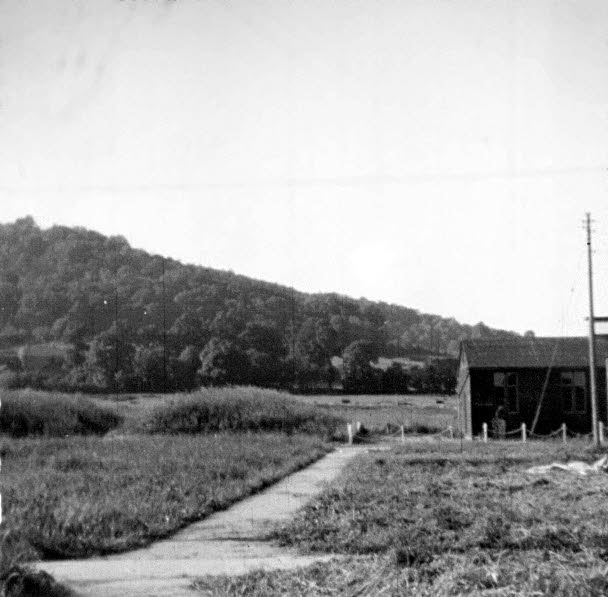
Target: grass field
{"x": 91, "y": 495}
{"x": 71, "y": 489}
{"x": 417, "y": 413}
{"x": 428, "y": 519}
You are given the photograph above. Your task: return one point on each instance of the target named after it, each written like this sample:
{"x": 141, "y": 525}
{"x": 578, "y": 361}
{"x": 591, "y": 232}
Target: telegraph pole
{"x": 164, "y": 332}
{"x": 117, "y": 356}
{"x": 294, "y": 375}
{"x": 592, "y": 379}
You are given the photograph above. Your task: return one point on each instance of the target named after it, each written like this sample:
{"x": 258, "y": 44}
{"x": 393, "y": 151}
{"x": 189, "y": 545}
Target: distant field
{"x": 415, "y": 412}
{"x": 375, "y": 412}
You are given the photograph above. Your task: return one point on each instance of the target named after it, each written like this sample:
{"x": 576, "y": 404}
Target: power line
{"x": 312, "y": 182}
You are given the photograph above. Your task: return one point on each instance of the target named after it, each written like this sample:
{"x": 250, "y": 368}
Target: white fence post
{"x": 484, "y": 428}
{"x": 451, "y": 432}
{"x": 523, "y": 432}
{"x": 349, "y": 430}
{"x": 600, "y": 432}
{"x": 402, "y": 434}
{"x": 564, "y": 433}
{"x": 358, "y": 426}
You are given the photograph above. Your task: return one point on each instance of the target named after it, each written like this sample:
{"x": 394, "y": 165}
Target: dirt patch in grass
{"x": 81, "y": 496}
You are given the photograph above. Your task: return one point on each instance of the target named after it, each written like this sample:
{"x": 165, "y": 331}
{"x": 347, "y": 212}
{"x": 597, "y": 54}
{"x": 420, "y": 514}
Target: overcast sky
{"x": 436, "y": 154}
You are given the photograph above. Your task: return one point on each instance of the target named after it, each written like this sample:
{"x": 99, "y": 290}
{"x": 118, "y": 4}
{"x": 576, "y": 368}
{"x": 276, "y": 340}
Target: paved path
{"x": 228, "y": 542}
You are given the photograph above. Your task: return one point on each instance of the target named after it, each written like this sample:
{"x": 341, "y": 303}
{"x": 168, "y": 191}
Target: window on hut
{"x": 505, "y": 391}
{"x": 574, "y": 391}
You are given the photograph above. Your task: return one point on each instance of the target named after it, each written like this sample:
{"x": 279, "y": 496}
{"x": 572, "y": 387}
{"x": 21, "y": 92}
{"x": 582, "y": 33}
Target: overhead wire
{"x": 557, "y": 343}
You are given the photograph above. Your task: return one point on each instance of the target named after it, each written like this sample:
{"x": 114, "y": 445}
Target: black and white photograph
{"x": 303, "y": 298}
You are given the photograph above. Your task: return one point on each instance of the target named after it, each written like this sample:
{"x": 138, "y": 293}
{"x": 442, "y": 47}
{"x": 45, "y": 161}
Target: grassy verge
{"x": 428, "y": 520}
{"x": 85, "y": 496}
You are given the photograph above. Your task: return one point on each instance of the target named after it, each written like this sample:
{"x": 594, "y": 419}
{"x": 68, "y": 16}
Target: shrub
{"x": 23, "y": 582}
{"x": 36, "y": 413}
{"x": 239, "y": 409}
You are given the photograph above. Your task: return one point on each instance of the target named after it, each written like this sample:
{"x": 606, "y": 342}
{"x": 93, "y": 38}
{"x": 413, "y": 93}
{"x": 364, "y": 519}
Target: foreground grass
{"x": 436, "y": 500}
{"x": 85, "y": 495}
{"x": 427, "y": 519}
{"x": 529, "y": 574}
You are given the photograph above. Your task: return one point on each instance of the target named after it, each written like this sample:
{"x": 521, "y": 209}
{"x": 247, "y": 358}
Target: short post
{"x": 402, "y": 434}
{"x": 523, "y": 432}
{"x": 564, "y": 433}
{"x": 484, "y": 429}
{"x": 600, "y": 432}
{"x": 451, "y": 432}
{"x": 358, "y": 426}
{"x": 349, "y": 430}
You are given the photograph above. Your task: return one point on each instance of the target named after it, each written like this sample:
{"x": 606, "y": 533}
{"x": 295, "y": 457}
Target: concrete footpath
{"x": 228, "y": 542}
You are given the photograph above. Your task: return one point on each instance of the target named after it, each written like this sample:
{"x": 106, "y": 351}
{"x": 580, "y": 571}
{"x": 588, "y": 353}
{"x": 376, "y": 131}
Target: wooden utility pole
{"x": 164, "y": 331}
{"x": 592, "y": 380}
{"x": 294, "y": 372}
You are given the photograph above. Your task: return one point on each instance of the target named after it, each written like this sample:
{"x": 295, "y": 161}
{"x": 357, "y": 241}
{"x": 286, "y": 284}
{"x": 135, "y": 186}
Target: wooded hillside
{"x": 140, "y": 320}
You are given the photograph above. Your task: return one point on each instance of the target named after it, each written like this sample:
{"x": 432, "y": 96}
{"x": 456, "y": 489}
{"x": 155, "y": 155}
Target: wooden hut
{"x": 542, "y": 379}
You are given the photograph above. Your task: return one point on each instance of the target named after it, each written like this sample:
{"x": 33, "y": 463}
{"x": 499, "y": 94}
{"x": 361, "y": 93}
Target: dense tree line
{"x": 138, "y": 321}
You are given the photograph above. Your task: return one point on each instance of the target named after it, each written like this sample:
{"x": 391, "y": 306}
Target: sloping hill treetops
{"x": 134, "y": 321}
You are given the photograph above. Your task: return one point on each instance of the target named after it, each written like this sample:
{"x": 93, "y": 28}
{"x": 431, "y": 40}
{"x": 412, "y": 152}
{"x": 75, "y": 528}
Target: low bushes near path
{"x": 81, "y": 496}
{"x": 240, "y": 409}
{"x": 430, "y": 520}
{"x": 31, "y": 412}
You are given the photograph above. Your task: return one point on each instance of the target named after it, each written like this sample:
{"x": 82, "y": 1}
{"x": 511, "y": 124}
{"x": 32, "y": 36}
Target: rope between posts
{"x": 449, "y": 430}
{"x": 552, "y": 434}
{"x": 514, "y": 432}
{"x": 363, "y": 438}
{"x": 575, "y": 435}
{"x": 359, "y": 437}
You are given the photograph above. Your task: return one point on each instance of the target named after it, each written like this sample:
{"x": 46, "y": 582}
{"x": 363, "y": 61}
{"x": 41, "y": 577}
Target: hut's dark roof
{"x": 533, "y": 352}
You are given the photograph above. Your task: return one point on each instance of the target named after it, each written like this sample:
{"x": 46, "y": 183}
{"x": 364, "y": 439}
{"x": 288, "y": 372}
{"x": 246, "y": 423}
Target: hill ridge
{"x": 75, "y": 285}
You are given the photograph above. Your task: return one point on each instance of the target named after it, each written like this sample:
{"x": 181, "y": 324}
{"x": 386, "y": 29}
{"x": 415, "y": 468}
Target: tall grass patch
{"x": 29, "y": 412}
{"x": 240, "y": 409}
{"x": 89, "y": 495}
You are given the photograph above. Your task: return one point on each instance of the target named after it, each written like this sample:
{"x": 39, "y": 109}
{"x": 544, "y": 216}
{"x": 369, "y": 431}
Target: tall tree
{"x": 359, "y": 375}
{"x": 223, "y": 362}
